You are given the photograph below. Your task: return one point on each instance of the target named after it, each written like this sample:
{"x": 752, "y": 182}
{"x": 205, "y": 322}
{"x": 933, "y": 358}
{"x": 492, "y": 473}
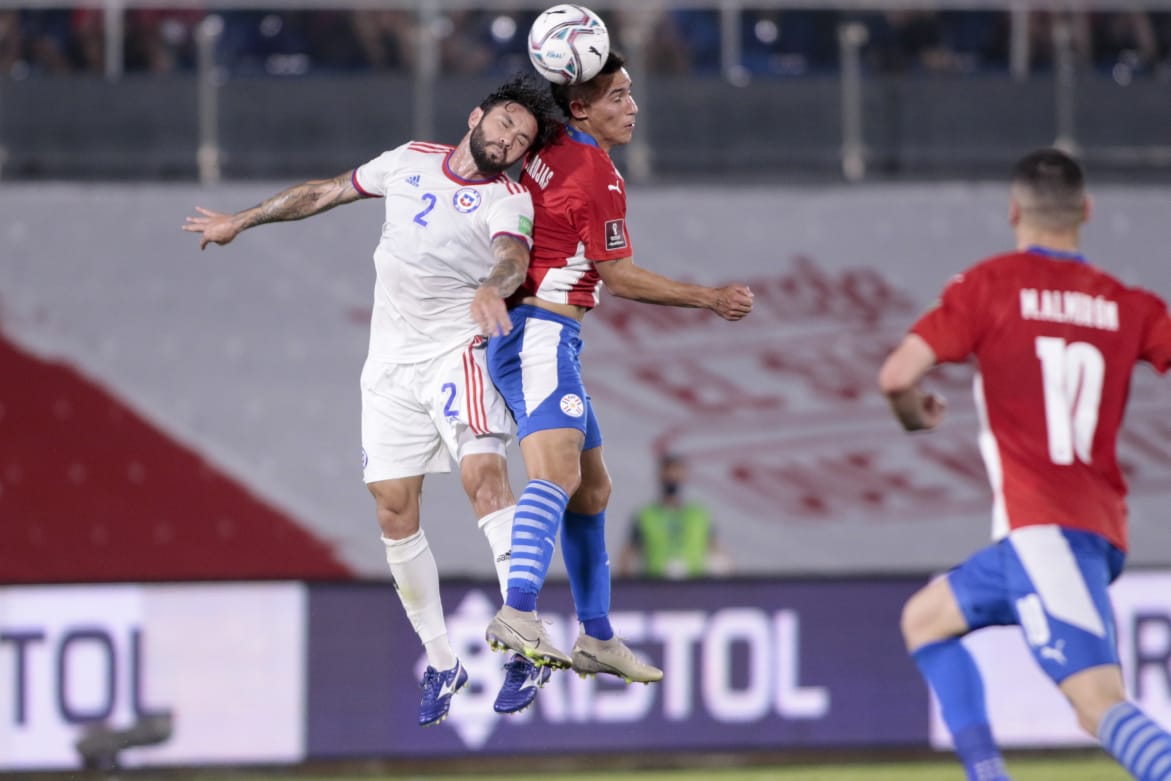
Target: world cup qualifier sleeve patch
{"x": 615, "y": 235}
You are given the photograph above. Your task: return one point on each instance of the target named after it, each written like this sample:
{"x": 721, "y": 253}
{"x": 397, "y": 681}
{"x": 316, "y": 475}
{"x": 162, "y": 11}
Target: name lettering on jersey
{"x": 541, "y": 173}
{"x": 615, "y": 235}
{"x": 466, "y": 200}
{"x": 1069, "y": 306}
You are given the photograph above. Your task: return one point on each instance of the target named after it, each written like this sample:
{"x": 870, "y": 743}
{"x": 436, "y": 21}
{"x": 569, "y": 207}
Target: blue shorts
{"x": 1052, "y": 582}
{"x": 537, "y": 368}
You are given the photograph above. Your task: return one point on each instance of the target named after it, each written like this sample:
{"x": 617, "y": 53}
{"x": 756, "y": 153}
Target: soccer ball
{"x": 568, "y": 44}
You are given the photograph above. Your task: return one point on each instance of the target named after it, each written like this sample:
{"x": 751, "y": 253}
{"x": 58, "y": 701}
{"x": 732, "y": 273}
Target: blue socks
{"x": 534, "y": 534}
{"x": 1136, "y": 742}
{"x": 583, "y": 546}
{"x": 952, "y": 673}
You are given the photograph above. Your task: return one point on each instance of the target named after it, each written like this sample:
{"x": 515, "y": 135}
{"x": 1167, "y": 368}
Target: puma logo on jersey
{"x": 616, "y": 187}
{"x": 541, "y": 173}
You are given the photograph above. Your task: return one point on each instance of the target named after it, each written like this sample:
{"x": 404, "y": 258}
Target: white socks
{"x": 416, "y": 579}
{"x": 497, "y": 527}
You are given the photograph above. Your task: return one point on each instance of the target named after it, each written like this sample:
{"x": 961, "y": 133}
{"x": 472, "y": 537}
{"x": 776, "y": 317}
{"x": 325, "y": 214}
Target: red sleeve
{"x": 600, "y": 216}
{"x": 950, "y": 327}
{"x": 1156, "y": 344}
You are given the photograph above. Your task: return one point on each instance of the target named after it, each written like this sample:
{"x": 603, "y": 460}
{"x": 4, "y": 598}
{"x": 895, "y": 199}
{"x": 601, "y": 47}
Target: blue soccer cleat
{"x": 438, "y": 688}
{"x": 522, "y": 679}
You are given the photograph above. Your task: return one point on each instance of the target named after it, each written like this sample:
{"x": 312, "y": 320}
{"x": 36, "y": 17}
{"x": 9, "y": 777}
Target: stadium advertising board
{"x": 748, "y": 665}
{"x": 1027, "y": 710}
{"x": 222, "y": 664}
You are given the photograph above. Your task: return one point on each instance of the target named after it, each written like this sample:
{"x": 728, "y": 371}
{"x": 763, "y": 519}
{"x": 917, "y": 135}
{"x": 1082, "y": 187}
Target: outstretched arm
{"x": 899, "y": 381}
{"x": 488, "y": 308}
{"x": 295, "y": 203}
{"x": 626, "y": 280}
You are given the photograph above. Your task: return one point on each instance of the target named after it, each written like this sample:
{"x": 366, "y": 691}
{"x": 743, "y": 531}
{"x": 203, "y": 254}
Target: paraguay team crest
{"x": 572, "y": 406}
{"x": 466, "y": 200}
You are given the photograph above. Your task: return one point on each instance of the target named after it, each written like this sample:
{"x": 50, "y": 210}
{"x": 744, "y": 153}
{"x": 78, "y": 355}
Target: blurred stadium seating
{"x": 824, "y": 89}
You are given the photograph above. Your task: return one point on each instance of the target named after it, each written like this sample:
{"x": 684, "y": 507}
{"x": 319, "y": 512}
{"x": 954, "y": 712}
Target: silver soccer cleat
{"x": 524, "y": 632}
{"x": 592, "y": 656}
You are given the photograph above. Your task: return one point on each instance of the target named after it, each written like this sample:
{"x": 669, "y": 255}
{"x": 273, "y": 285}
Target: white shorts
{"x": 416, "y": 417}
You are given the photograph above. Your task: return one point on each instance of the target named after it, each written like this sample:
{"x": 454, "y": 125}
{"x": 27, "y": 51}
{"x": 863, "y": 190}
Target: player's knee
{"x": 591, "y": 498}
{"x": 916, "y": 622}
{"x": 487, "y": 487}
{"x": 1092, "y": 693}
{"x": 395, "y": 524}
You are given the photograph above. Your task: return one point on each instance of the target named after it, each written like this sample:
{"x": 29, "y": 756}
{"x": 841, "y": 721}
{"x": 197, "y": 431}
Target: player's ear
{"x": 577, "y": 109}
{"x": 1014, "y": 211}
{"x": 475, "y": 117}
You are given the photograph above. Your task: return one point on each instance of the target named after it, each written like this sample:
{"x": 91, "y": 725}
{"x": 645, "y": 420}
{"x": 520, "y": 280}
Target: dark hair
{"x": 534, "y": 95}
{"x": 1051, "y": 188}
{"x": 588, "y": 91}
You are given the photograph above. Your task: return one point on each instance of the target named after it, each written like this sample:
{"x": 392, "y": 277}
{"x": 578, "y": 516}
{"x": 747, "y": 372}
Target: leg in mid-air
{"x": 416, "y": 581}
{"x": 1068, "y": 622}
{"x": 552, "y": 461}
{"x": 932, "y": 626}
{"x": 485, "y": 479}
{"x": 1129, "y": 735}
{"x": 545, "y": 394}
{"x": 583, "y": 547}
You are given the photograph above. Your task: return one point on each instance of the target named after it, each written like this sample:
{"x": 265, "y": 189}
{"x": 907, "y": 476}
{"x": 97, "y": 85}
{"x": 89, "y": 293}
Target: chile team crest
{"x": 466, "y": 200}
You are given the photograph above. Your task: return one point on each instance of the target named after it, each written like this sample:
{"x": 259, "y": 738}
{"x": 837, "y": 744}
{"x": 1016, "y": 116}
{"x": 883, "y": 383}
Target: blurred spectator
{"x": 161, "y": 40}
{"x": 10, "y": 41}
{"x": 465, "y": 42}
{"x": 671, "y": 537}
{"x": 699, "y": 30}
{"x": 788, "y": 42}
{"x": 46, "y": 36}
{"x": 907, "y": 41}
{"x": 333, "y": 41}
{"x": 978, "y": 40}
{"x": 272, "y": 42}
{"x": 1043, "y": 27}
{"x": 1124, "y": 39}
{"x": 387, "y": 38}
{"x": 89, "y": 40}
{"x": 657, "y": 31}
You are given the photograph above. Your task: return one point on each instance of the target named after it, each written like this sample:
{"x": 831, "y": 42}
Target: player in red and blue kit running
{"x": 580, "y": 240}
{"x": 1056, "y": 342}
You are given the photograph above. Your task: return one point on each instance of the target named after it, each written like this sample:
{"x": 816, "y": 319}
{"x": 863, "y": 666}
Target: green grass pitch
{"x": 1022, "y": 768}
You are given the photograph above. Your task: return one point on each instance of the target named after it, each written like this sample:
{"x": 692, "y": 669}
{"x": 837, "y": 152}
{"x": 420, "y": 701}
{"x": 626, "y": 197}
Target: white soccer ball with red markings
{"x": 568, "y": 44}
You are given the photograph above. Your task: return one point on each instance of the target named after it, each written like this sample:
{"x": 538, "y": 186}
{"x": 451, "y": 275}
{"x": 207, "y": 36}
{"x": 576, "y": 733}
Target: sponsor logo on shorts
{"x": 615, "y": 235}
{"x": 572, "y": 406}
{"x": 466, "y": 200}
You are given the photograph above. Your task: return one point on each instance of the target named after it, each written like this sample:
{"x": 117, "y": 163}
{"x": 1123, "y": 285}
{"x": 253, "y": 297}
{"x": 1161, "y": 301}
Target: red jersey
{"x": 1056, "y": 342}
{"x": 579, "y": 219}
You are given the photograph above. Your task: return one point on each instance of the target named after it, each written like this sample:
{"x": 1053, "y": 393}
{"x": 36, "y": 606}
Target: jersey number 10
{"x": 1071, "y": 376}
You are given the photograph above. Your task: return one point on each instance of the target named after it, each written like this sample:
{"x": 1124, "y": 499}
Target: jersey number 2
{"x": 1071, "y": 376}
{"x": 420, "y": 217}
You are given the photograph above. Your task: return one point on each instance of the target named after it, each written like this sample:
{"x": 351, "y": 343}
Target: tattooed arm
{"x": 488, "y": 308}
{"x": 296, "y": 203}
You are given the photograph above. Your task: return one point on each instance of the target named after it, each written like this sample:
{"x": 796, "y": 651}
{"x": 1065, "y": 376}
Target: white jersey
{"x": 436, "y": 248}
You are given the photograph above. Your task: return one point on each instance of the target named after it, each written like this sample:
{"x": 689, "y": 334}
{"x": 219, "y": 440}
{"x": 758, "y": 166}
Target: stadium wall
{"x": 287, "y": 672}
{"x": 176, "y": 415}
